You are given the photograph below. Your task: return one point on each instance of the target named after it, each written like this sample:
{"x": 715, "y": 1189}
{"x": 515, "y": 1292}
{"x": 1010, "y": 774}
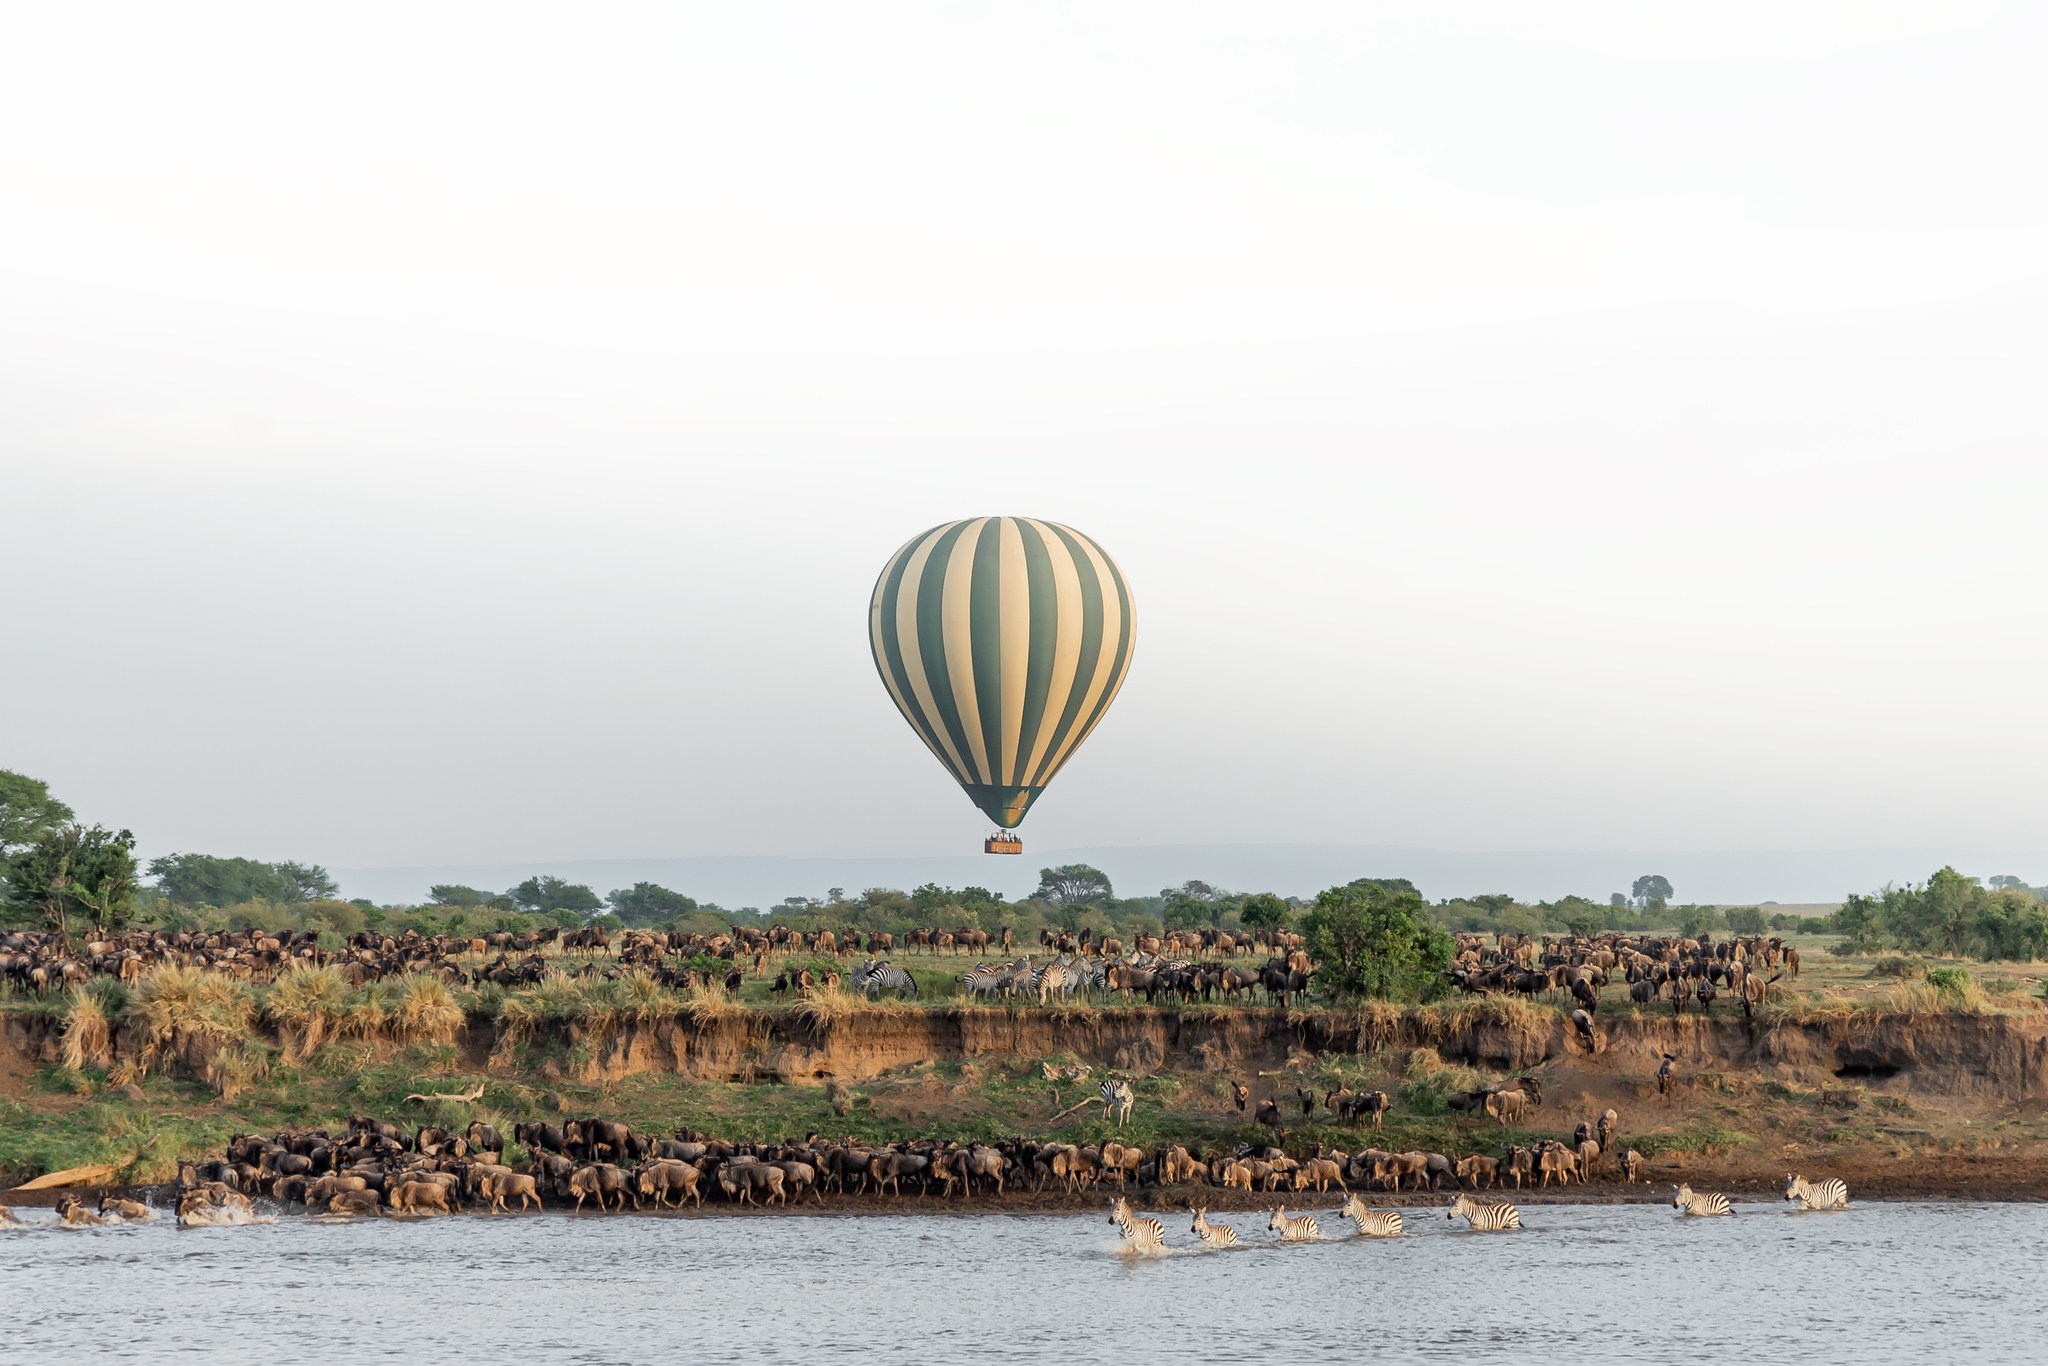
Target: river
{"x": 1878, "y": 1283}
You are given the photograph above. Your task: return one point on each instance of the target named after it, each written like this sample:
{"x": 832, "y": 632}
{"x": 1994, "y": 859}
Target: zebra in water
{"x": 1140, "y": 1233}
{"x": 877, "y": 976}
{"x": 1118, "y": 1098}
{"x": 1832, "y": 1193}
{"x": 1213, "y": 1235}
{"x": 1371, "y": 1223}
{"x": 1300, "y": 1229}
{"x": 1699, "y": 1202}
{"x": 1485, "y": 1218}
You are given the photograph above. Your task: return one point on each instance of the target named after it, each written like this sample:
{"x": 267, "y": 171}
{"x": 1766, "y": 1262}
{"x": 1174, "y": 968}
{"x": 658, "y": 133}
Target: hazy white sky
{"x": 436, "y": 434}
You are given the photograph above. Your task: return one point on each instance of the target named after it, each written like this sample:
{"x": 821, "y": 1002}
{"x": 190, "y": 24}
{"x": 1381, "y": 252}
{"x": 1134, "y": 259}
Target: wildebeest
{"x": 500, "y": 1186}
{"x": 129, "y": 1211}
{"x": 599, "y": 1181}
{"x": 1506, "y": 1105}
{"x": 666, "y": 1180}
{"x": 421, "y": 1197}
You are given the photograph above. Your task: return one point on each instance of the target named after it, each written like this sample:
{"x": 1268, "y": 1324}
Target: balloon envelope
{"x": 1003, "y": 641}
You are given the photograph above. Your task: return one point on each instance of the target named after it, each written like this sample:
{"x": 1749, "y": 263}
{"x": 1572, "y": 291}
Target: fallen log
{"x": 471, "y": 1098}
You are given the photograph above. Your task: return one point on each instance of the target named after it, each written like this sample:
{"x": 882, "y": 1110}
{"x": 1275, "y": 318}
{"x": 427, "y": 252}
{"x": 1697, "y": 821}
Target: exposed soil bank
{"x": 1900, "y": 1106}
{"x": 1992, "y": 1058}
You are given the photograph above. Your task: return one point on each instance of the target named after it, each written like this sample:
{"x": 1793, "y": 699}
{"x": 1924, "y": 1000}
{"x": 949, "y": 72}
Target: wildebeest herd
{"x": 1177, "y": 967}
{"x": 372, "y": 1166}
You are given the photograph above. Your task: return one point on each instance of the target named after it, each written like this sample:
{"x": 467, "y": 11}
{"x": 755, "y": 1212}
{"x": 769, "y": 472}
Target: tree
{"x": 207, "y": 880}
{"x": 74, "y": 871}
{"x": 648, "y": 903}
{"x": 549, "y": 893}
{"x": 1745, "y": 919}
{"x": 1075, "y": 884}
{"x": 309, "y": 882}
{"x": 1263, "y": 910}
{"x": 1617, "y": 899}
{"x": 455, "y": 894}
{"x": 1949, "y": 903}
{"x": 26, "y": 810}
{"x": 1388, "y": 884}
{"x": 1368, "y": 940}
{"x": 1179, "y": 910}
{"x": 1652, "y": 889}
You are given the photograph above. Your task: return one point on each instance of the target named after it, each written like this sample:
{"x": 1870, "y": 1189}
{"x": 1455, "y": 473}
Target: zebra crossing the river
{"x": 1699, "y": 1202}
{"x": 1371, "y": 1223}
{"x": 1485, "y": 1218}
{"x": 1140, "y": 1233}
{"x": 1832, "y": 1193}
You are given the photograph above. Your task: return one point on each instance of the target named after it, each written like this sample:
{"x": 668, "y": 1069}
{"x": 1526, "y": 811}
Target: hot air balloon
{"x": 1002, "y": 641}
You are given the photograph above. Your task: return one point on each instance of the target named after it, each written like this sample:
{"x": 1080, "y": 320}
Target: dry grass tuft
{"x": 424, "y": 1011}
{"x": 647, "y": 1001}
{"x": 191, "y": 1013}
{"x": 88, "y": 1039}
{"x": 308, "y": 1005}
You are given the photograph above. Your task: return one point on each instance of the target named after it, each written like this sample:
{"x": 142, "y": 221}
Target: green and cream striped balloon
{"x": 1003, "y": 641}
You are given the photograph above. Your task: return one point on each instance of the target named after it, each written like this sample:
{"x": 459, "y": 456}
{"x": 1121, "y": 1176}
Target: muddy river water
{"x": 1879, "y": 1283}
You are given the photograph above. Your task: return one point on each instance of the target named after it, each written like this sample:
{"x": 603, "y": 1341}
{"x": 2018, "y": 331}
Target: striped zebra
{"x": 1020, "y": 979}
{"x": 1300, "y": 1229}
{"x": 1053, "y": 979}
{"x": 1118, "y": 1099}
{"x": 1140, "y": 1234}
{"x": 1699, "y": 1202}
{"x": 1371, "y": 1223}
{"x": 1829, "y": 1194}
{"x": 877, "y": 976}
{"x": 1212, "y": 1235}
{"x": 1485, "y": 1218}
{"x": 984, "y": 979}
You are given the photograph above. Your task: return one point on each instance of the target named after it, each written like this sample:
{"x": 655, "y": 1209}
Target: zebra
{"x": 1371, "y": 1223}
{"x": 1699, "y": 1202}
{"x": 1829, "y": 1194}
{"x": 1019, "y": 979}
{"x": 877, "y": 976}
{"x": 1052, "y": 978}
{"x": 1212, "y": 1235}
{"x": 1140, "y": 1234}
{"x": 1118, "y": 1098}
{"x": 1485, "y": 1218}
{"x": 986, "y": 979}
{"x": 1300, "y": 1229}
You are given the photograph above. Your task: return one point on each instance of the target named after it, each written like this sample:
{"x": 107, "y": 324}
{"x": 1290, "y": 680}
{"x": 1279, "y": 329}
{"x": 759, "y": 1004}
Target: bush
{"x": 1370, "y": 940}
{"x": 1949, "y": 981}
{"x": 1892, "y": 965}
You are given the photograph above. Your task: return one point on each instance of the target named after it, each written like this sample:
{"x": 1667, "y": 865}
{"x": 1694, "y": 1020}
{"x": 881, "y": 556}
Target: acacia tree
{"x": 549, "y": 893}
{"x": 1372, "y": 940}
{"x": 1652, "y": 889}
{"x": 1074, "y": 884}
{"x": 26, "y": 810}
{"x": 72, "y": 871}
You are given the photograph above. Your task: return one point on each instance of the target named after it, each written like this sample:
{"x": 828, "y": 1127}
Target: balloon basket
{"x": 1002, "y": 844}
